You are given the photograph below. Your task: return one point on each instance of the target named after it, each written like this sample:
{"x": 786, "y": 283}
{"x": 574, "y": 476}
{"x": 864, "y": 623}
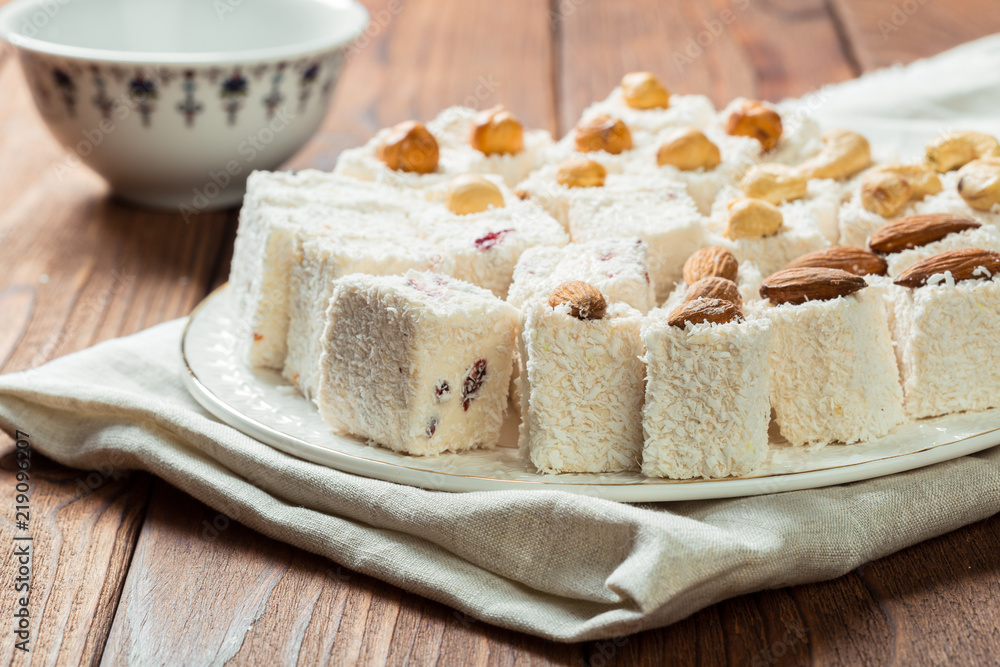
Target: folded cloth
{"x": 548, "y": 563}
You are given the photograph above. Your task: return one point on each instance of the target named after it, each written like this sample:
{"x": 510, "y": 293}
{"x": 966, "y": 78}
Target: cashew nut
{"x": 844, "y": 154}
{"x": 954, "y": 149}
{"x": 753, "y": 219}
{"x": 979, "y": 183}
{"x": 921, "y": 177}
{"x": 774, "y": 183}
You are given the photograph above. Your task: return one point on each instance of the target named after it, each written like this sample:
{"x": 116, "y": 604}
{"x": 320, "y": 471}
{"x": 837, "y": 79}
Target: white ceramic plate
{"x": 266, "y": 407}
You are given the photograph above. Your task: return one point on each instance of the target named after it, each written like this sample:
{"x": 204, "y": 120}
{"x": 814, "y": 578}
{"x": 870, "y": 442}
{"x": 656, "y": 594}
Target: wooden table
{"x": 77, "y": 268}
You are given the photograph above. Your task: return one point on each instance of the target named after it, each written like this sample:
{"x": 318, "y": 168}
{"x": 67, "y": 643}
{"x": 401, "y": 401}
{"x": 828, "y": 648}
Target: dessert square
{"x": 581, "y": 389}
{"x": 617, "y": 267}
{"x": 276, "y": 206}
{"x": 319, "y": 260}
{"x": 552, "y": 186}
{"x": 659, "y": 212}
{"x": 418, "y": 363}
{"x": 986, "y": 237}
{"x": 945, "y": 334}
{"x": 833, "y": 370}
{"x": 707, "y": 404}
{"x": 645, "y": 104}
{"x": 787, "y": 134}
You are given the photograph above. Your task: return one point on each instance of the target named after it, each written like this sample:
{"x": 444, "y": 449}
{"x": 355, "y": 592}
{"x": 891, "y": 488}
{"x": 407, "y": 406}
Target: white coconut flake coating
{"x": 643, "y": 151}
{"x": 707, "y": 405}
{"x": 543, "y": 188}
{"x": 801, "y": 137}
{"x": 799, "y": 236}
{"x": 683, "y": 111}
{"x": 581, "y": 388}
{"x": 276, "y": 206}
{"x": 486, "y": 246}
{"x": 833, "y": 370}
{"x": 320, "y": 259}
{"x": 659, "y": 212}
{"x": 738, "y": 155}
{"x": 418, "y": 363}
{"x": 748, "y": 281}
{"x": 985, "y": 237}
{"x": 946, "y": 338}
{"x": 619, "y": 268}
{"x": 453, "y": 129}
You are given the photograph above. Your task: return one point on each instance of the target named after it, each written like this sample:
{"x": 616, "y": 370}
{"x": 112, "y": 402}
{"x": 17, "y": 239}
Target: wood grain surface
{"x": 132, "y": 571}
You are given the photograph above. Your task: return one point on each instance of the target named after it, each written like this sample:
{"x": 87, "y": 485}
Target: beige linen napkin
{"x": 548, "y": 563}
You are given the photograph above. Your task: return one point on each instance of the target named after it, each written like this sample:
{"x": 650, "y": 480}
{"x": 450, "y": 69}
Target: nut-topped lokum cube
{"x": 707, "y": 392}
{"x": 833, "y": 371}
{"x": 581, "y": 382}
{"x": 643, "y": 102}
{"x": 909, "y": 240}
{"x": 947, "y": 314}
{"x": 418, "y": 363}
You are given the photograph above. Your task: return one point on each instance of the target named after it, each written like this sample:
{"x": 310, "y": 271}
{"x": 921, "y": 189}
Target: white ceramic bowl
{"x": 175, "y": 102}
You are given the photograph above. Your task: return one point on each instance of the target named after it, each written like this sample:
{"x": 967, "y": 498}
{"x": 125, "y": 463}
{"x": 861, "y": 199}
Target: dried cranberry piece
{"x": 432, "y": 426}
{"x": 473, "y": 381}
{"x": 490, "y": 240}
{"x": 606, "y": 256}
{"x": 426, "y": 289}
{"x": 442, "y": 391}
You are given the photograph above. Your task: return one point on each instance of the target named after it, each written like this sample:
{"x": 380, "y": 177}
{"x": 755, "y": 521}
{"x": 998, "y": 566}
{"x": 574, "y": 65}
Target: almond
{"x": 803, "y": 284}
{"x": 714, "y": 287}
{"x": 858, "y": 261}
{"x": 713, "y": 261}
{"x": 585, "y": 301}
{"x": 966, "y": 264}
{"x": 917, "y": 230}
{"x": 715, "y": 311}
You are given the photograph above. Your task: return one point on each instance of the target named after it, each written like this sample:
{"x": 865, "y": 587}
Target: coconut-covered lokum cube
{"x": 319, "y": 260}
{"x": 644, "y": 103}
{"x": 581, "y": 382}
{"x": 619, "y": 268}
{"x": 707, "y": 403}
{"x": 945, "y": 324}
{"x": 787, "y": 135}
{"x": 418, "y": 363}
{"x": 833, "y": 371}
{"x": 909, "y": 240}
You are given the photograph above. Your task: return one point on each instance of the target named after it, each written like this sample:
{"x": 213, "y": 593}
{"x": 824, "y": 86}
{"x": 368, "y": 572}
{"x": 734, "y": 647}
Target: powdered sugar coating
{"x": 657, "y": 211}
{"x": 617, "y": 267}
{"x": 417, "y": 363}
{"x": 581, "y": 389}
{"x": 707, "y": 398}
{"x": 833, "y": 371}
{"x": 946, "y": 343}
{"x": 320, "y": 259}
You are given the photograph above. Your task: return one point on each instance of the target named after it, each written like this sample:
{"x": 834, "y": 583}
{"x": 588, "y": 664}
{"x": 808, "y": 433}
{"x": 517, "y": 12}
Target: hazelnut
{"x": 688, "y": 149}
{"x": 774, "y": 183}
{"x": 581, "y": 173}
{"x": 885, "y": 193}
{"x": 753, "y": 119}
{"x": 585, "y": 301}
{"x": 497, "y": 131}
{"x": 603, "y": 133}
{"x": 642, "y": 90}
{"x": 753, "y": 219}
{"x": 409, "y": 146}
{"x": 470, "y": 193}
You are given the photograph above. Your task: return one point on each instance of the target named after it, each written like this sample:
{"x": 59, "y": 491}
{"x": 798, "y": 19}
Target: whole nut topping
{"x": 470, "y": 193}
{"x": 966, "y": 264}
{"x": 714, "y": 261}
{"x": 714, "y": 288}
{"x": 922, "y": 179}
{"x": 796, "y": 286}
{"x": 858, "y": 261}
{"x": 916, "y": 231}
{"x": 409, "y": 146}
{"x": 844, "y": 154}
{"x": 497, "y": 131}
{"x": 581, "y": 173}
{"x": 642, "y": 90}
{"x": 715, "y": 311}
{"x": 585, "y": 301}
{"x": 979, "y": 183}
{"x": 603, "y": 133}
{"x": 689, "y": 149}
{"x": 955, "y": 149}
{"x": 753, "y": 119}
{"x": 774, "y": 183}
{"x": 885, "y": 193}
{"x": 753, "y": 219}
